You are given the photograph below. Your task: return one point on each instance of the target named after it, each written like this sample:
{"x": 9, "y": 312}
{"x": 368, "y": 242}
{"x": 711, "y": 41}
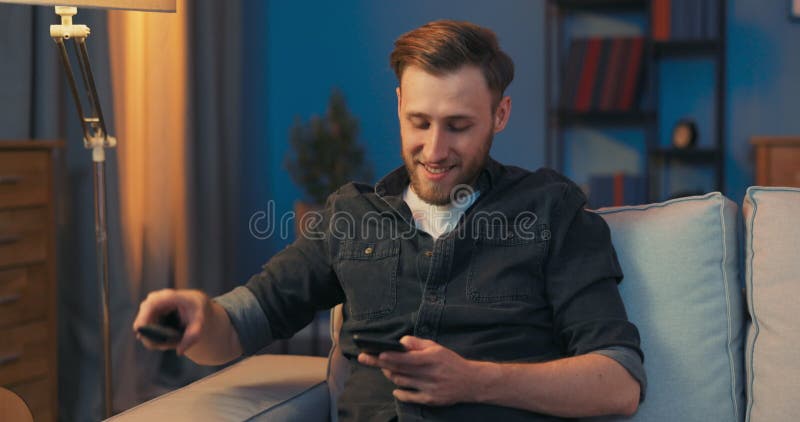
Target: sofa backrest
{"x": 682, "y": 290}
{"x": 772, "y": 278}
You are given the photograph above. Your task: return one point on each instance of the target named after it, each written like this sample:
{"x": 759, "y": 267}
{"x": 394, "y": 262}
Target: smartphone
{"x": 374, "y": 345}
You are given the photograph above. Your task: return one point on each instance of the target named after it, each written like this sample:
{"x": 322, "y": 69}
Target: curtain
{"x": 176, "y": 80}
{"x": 148, "y": 68}
{"x": 34, "y": 103}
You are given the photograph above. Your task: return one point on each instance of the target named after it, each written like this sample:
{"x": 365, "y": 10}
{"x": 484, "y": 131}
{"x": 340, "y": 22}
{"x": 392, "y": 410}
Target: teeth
{"x": 436, "y": 170}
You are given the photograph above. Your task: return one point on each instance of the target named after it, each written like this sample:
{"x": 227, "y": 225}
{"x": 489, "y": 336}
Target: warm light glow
{"x": 151, "y": 5}
{"x": 149, "y": 67}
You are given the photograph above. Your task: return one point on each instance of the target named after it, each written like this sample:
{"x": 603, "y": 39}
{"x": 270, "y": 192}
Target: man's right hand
{"x": 192, "y": 306}
{"x": 208, "y": 337}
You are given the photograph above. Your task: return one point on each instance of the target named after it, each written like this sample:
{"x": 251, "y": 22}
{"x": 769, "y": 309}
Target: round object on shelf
{"x": 684, "y": 134}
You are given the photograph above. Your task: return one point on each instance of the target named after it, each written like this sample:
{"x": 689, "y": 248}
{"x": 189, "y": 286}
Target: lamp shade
{"x": 150, "y": 5}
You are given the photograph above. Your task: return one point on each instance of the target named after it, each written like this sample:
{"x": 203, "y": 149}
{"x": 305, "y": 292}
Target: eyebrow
{"x": 417, "y": 114}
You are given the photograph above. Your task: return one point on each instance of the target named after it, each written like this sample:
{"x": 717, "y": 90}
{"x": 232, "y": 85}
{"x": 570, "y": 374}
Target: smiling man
{"x": 500, "y": 287}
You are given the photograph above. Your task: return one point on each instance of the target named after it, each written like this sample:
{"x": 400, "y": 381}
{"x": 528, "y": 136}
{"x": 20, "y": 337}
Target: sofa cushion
{"x": 267, "y": 387}
{"x": 772, "y": 266}
{"x": 681, "y": 289}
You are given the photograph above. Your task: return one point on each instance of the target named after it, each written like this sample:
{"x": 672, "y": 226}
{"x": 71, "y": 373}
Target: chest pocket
{"x": 506, "y": 263}
{"x": 368, "y": 273}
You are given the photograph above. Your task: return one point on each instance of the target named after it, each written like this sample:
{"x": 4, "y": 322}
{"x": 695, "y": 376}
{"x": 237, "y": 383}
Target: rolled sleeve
{"x": 582, "y": 273}
{"x": 247, "y": 318}
{"x": 631, "y": 361}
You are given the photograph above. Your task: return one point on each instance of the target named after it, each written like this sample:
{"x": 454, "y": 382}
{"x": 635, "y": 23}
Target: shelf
{"x": 700, "y": 155}
{"x": 604, "y": 118}
{"x": 656, "y": 158}
{"x": 602, "y": 5}
{"x": 685, "y": 47}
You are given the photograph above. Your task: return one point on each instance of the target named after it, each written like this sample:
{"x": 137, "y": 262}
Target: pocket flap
{"x": 361, "y": 249}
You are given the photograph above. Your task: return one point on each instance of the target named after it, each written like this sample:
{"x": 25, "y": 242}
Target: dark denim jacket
{"x": 527, "y": 276}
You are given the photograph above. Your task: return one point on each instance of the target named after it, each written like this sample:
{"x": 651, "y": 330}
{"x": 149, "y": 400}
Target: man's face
{"x": 446, "y": 127}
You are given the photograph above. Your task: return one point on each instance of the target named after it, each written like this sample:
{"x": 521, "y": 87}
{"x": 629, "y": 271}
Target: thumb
{"x": 190, "y": 336}
{"x": 416, "y": 343}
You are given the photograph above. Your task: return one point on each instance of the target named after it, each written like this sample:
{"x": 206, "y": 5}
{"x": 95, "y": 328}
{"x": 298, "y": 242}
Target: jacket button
{"x": 368, "y": 251}
{"x": 429, "y": 253}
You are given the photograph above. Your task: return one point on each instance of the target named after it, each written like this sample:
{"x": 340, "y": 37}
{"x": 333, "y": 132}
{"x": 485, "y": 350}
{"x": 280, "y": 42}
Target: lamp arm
{"x": 95, "y": 135}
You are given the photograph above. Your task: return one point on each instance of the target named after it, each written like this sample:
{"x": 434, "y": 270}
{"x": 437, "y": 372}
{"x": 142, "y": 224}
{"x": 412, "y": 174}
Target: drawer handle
{"x": 5, "y": 300}
{"x": 4, "y": 360}
{"x": 9, "y": 240}
{"x": 10, "y": 180}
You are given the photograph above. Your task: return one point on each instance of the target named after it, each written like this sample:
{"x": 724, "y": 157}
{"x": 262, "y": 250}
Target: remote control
{"x": 168, "y": 330}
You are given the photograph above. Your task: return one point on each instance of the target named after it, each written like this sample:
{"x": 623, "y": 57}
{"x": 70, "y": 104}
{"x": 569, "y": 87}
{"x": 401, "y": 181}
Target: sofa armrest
{"x": 265, "y": 387}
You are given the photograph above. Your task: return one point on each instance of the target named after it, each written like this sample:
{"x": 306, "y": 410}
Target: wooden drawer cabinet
{"x": 28, "y": 349}
{"x": 20, "y": 295}
{"x": 777, "y": 160}
{"x": 23, "y": 178}
{"x": 23, "y": 235}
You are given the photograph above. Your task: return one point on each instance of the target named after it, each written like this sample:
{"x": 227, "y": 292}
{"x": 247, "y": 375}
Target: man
{"x": 501, "y": 287}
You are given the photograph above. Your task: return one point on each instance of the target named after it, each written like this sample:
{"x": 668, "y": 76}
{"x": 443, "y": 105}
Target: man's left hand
{"x": 428, "y": 373}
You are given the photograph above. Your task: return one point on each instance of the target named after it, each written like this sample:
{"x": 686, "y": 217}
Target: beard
{"x": 446, "y": 191}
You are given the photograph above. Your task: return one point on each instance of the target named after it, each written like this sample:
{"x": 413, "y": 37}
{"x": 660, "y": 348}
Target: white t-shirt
{"x": 437, "y": 220}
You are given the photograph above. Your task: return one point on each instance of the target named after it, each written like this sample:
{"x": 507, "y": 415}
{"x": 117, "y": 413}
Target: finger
{"x": 190, "y": 335}
{"x": 404, "y": 361}
{"x": 155, "y": 305}
{"x": 416, "y": 343}
{"x": 151, "y": 345}
{"x": 403, "y": 380}
{"x": 412, "y": 396}
{"x": 368, "y": 359}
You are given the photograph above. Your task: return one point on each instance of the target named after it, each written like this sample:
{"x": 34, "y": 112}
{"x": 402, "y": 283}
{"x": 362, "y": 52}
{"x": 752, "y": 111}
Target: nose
{"x": 437, "y": 146}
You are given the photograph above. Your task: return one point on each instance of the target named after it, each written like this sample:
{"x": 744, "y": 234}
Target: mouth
{"x": 436, "y": 172}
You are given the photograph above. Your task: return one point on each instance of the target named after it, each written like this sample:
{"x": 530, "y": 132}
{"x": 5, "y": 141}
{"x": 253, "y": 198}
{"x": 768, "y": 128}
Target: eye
{"x": 419, "y": 123}
{"x": 458, "y": 128}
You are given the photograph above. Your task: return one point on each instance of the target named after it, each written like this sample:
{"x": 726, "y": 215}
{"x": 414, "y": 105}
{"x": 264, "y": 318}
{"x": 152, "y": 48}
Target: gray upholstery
{"x": 265, "y": 387}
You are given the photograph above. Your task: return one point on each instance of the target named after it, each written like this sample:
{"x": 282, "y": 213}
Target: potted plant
{"x": 325, "y": 154}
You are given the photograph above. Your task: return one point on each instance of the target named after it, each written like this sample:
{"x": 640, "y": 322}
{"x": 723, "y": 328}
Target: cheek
{"x": 411, "y": 142}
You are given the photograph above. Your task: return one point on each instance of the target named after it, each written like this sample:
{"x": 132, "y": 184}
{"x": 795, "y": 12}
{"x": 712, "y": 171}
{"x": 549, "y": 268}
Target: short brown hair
{"x": 444, "y": 46}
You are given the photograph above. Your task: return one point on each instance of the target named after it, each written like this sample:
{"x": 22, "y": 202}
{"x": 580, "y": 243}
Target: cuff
{"x": 247, "y": 318}
{"x": 630, "y": 360}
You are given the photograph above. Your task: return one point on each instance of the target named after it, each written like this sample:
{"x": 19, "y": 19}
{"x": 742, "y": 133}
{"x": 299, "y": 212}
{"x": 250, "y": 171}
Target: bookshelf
{"x": 695, "y": 36}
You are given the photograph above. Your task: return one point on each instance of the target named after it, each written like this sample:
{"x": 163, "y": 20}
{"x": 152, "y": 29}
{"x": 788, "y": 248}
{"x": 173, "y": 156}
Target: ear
{"x": 502, "y": 114}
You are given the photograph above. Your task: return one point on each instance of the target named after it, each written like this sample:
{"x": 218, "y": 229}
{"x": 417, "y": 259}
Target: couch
{"x": 718, "y": 347}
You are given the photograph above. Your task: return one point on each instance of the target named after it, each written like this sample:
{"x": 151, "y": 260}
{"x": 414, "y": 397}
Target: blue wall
{"x": 763, "y": 83}
{"x": 314, "y": 46}
{"x": 310, "y": 47}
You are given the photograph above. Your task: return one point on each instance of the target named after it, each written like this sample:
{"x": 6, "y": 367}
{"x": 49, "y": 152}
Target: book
{"x": 617, "y": 189}
{"x": 612, "y": 75}
{"x": 633, "y": 74}
{"x": 660, "y": 20}
{"x": 603, "y": 73}
{"x": 696, "y": 18}
{"x": 571, "y": 73}
{"x": 591, "y": 58}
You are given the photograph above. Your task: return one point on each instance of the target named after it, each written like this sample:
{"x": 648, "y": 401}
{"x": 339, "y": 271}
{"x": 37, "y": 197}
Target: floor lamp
{"x": 95, "y": 135}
